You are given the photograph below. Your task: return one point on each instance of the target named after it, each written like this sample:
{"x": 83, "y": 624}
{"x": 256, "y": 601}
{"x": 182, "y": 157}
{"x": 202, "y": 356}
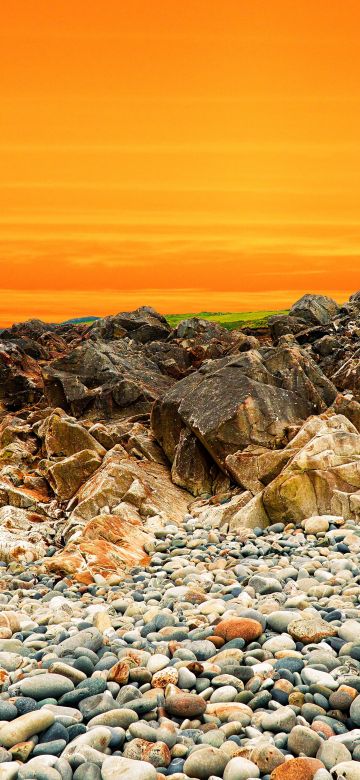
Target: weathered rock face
{"x": 145, "y": 486}
{"x": 103, "y": 379}
{"x": 202, "y": 340}
{"x": 321, "y": 477}
{"x": 114, "y": 513}
{"x": 172, "y": 358}
{"x": 106, "y": 545}
{"x": 24, "y": 535}
{"x": 331, "y": 333}
{"x": 193, "y": 468}
{"x": 255, "y": 434}
{"x": 204, "y": 330}
{"x": 63, "y": 436}
{"x": 67, "y": 476}
{"x": 255, "y": 398}
{"x": 284, "y": 324}
{"x": 20, "y": 377}
{"x": 315, "y": 309}
{"x": 142, "y": 325}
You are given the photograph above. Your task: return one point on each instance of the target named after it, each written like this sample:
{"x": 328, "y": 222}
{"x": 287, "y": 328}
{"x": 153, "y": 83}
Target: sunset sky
{"x": 185, "y": 154}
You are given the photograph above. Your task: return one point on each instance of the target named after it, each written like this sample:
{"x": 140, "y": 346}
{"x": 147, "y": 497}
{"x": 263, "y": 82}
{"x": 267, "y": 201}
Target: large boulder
{"x": 283, "y": 325}
{"x": 347, "y": 375}
{"x": 172, "y": 358}
{"x": 255, "y": 398}
{"x": 193, "y": 468}
{"x": 203, "y": 330}
{"x": 142, "y": 325}
{"x": 106, "y": 545}
{"x": 144, "y": 485}
{"x": 67, "y": 475}
{"x": 315, "y": 309}
{"x": 322, "y": 476}
{"x": 203, "y": 340}
{"x": 104, "y": 378}
{"x": 21, "y": 382}
{"x": 63, "y": 436}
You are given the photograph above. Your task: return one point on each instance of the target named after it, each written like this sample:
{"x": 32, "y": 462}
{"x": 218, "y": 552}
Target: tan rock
{"x": 309, "y": 630}
{"x": 66, "y": 476}
{"x": 64, "y": 436}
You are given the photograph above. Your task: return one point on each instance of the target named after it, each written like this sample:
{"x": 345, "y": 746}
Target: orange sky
{"x": 189, "y": 154}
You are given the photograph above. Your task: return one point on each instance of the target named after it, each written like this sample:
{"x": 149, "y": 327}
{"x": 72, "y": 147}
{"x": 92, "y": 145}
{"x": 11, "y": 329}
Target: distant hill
{"x": 230, "y": 320}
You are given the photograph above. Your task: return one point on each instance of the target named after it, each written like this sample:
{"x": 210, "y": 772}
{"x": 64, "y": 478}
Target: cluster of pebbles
{"x": 231, "y": 656}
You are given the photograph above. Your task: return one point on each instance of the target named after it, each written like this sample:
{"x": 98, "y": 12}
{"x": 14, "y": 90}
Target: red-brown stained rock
{"x": 157, "y": 754}
{"x": 297, "y": 769}
{"x": 185, "y": 705}
{"x": 244, "y": 628}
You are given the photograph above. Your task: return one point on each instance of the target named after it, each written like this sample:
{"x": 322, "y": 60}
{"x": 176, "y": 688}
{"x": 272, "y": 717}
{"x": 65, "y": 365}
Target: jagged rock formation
{"x": 256, "y": 398}
{"x": 109, "y": 431}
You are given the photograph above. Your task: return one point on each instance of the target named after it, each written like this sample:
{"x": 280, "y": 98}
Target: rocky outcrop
{"x": 321, "y": 476}
{"x": 63, "y": 436}
{"x": 315, "y": 309}
{"x": 115, "y": 512}
{"x": 142, "y": 325}
{"x": 104, "y": 378}
{"x": 24, "y": 535}
{"x": 256, "y": 398}
{"x": 111, "y": 431}
{"x": 106, "y": 545}
{"x": 20, "y": 378}
{"x": 145, "y": 486}
{"x": 67, "y": 476}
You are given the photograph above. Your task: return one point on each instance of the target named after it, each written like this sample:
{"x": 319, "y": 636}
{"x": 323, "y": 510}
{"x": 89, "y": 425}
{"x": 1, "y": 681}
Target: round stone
{"x": 332, "y": 753}
{"x": 316, "y": 525}
{"x": 267, "y": 757}
{"x": 297, "y": 769}
{"x": 244, "y": 628}
{"x": 87, "y": 771}
{"x": 347, "y": 769}
{"x": 303, "y": 741}
{"x": 185, "y": 705}
{"x": 241, "y": 769}
{"x": 206, "y": 762}
{"x": 355, "y": 711}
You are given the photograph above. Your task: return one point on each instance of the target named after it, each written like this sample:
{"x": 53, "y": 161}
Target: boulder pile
{"x": 179, "y": 548}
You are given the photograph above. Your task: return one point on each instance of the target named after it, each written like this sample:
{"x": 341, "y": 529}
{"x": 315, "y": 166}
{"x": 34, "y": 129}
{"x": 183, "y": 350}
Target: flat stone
{"x": 185, "y": 705}
{"x": 315, "y": 676}
{"x": 310, "y": 630}
{"x": 282, "y": 719}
